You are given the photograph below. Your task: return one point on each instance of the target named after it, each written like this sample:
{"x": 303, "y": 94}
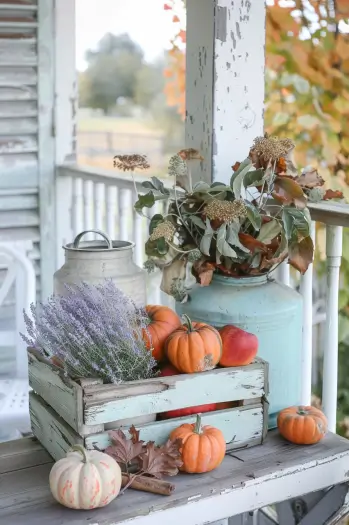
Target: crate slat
{"x": 241, "y": 426}
{"x": 139, "y": 398}
{"x": 60, "y": 392}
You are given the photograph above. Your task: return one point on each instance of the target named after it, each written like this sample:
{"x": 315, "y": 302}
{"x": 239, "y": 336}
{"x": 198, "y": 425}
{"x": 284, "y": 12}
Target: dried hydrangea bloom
{"x": 131, "y": 162}
{"x": 225, "y": 211}
{"x": 164, "y": 229}
{"x": 271, "y": 148}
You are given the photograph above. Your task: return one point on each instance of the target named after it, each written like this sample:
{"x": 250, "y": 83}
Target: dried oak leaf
{"x": 332, "y": 194}
{"x": 161, "y": 461}
{"x": 203, "y": 271}
{"x": 301, "y": 254}
{"x": 134, "y": 433}
{"x": 123, "y": 450}
{"x": 287, "y": 190}
{"x": 251, "y": 243}
{"x": 310, "y": 179}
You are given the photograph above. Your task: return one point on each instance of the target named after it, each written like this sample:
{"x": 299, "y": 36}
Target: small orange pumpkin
{"x": 162, "y": 322}
{"x": 302, "y": 425}
{"x": 194, "y": 347}
{"x": 203, "y": 448}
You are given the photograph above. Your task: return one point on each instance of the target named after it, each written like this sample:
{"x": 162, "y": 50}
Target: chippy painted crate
{"x": 65, "y": 412}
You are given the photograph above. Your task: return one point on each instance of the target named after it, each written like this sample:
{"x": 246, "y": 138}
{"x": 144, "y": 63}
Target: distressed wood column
{"x": 65, "y": 118}
{"x": 225, "y": 81}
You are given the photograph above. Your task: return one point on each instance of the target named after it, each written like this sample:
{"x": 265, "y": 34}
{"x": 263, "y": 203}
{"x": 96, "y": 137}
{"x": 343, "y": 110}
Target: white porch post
{"x": 65, "y": 117}
{"x": 225, "y": 81}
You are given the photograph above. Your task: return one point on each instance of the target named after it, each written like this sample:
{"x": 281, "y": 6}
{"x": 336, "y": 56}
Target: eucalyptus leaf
{"x": 197, "y": 221}
{"x": 236, "y": 182}
{"x": 233, "y": 236}
{"x": 296, "y": 221}
{"x": 254, "y": 178}
{"x": 206, "y": 240}
{"x": 159, "y": 186}
{"x": 219, "y": 187}
{"x": 222, "y": 246}
{"x": 256, "y": 260}
{"x": 155, "y": 221}
{"x": 253, "y": 215}
{"x": 148, "y": 185}
{"x": 144, "y": 201}
{"x": 269, "y": 231}
{"x": 201, "y": 186}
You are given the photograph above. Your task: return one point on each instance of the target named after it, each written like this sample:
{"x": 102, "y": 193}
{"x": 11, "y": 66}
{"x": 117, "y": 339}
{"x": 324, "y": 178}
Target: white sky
{"x": 145, "y": 20}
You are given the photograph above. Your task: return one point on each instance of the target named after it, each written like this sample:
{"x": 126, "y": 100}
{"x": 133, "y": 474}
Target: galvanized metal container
{"x": 268, "y": 309}
{"x": 94, "y": 261}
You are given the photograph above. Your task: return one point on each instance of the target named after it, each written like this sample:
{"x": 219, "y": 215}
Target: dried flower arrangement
{"x": 93, "y": 331}
{"x": 246, "y": 228}
{"x": 144, "y": 464}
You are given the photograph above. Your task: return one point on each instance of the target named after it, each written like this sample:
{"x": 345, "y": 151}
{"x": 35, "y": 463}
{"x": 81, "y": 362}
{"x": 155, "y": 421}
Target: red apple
{"x": 239, "y": 347}
{"x": 169, "y": 370}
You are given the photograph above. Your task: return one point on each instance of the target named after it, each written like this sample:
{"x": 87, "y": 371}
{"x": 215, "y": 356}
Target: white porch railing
{"x": 104, "y": 200}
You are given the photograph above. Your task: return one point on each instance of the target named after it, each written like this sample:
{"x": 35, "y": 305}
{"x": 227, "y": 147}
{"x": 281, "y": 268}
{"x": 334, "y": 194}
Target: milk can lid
{"x": 98, "y": 245}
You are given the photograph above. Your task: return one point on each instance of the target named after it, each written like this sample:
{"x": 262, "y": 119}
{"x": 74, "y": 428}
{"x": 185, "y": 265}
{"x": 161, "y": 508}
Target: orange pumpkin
{"x": 203, "y": 448}
{"x": 302, "y": 425}
{"x": 194, "y": 347}
{"x": 162, "y": 322}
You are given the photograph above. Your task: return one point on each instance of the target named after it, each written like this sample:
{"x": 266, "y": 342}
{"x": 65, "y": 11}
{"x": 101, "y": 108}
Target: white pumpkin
{"x": 85, "y": 479}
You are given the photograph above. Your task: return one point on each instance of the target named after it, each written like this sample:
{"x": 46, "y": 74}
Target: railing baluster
{"x": 306, "y": 289}
{"x": 124, "y": 205}
{"x": 334, "y": 235}
{"x": 88, "y": 208}
{"x": 112, "y": 211}
{"x": 283, "y": 273}
{"x": 99, "y": 200}
{"x": 138, "y": 238}
{"x": 78, "y": 224}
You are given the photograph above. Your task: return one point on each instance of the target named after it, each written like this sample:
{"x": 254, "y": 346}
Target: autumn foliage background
{"x": 307, "y": 100}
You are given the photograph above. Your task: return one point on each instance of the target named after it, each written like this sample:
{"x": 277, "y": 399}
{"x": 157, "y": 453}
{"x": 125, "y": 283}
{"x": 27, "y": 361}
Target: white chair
{"x": 20, "y": 276}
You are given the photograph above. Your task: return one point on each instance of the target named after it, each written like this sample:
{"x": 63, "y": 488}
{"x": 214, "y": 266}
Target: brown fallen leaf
{"x": 236, "y": 166}
{"x": 123, "y": 450}
{"x": 134, "y": 433}
{"x": 161, "y": 461}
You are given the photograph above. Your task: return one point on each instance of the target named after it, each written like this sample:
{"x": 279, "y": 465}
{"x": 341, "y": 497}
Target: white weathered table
{"x": 249, "y": 479}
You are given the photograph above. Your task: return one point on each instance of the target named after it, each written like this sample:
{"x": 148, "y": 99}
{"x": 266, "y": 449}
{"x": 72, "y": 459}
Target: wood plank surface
{"x": 247, "y": 479}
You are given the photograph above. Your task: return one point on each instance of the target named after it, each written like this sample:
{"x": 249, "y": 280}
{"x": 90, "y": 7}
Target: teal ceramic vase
{"x": 271, "y": 311}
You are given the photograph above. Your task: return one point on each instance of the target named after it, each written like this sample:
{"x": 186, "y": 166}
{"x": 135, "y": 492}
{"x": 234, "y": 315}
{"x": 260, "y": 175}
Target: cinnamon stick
{"x": 155, "y": 486}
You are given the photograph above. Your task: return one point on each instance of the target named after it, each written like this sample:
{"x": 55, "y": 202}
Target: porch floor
{"x": 247, "y": 479}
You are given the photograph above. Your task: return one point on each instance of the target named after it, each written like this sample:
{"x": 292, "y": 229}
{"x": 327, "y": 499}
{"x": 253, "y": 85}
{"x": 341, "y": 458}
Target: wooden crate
{"x": 65, "y": 412}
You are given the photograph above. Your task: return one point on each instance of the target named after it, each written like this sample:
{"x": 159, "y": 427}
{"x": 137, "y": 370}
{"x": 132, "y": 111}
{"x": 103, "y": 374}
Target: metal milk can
{"x": 94, "y": 261}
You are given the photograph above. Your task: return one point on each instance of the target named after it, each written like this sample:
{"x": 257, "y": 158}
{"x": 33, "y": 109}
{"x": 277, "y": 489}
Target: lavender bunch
{"x": 95, "y": 331}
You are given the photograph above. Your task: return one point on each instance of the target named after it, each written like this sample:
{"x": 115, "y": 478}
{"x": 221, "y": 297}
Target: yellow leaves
{"x": 345, "y": 144}
{"x": 341, "y": 104}
{"x": 308, "y": 121}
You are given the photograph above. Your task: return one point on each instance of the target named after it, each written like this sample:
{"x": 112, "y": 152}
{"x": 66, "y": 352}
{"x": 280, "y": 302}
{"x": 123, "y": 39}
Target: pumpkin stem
{"x": 79, "y": 448}
{"x": 188, "y": 323}
{"x": 197, "y": 428}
